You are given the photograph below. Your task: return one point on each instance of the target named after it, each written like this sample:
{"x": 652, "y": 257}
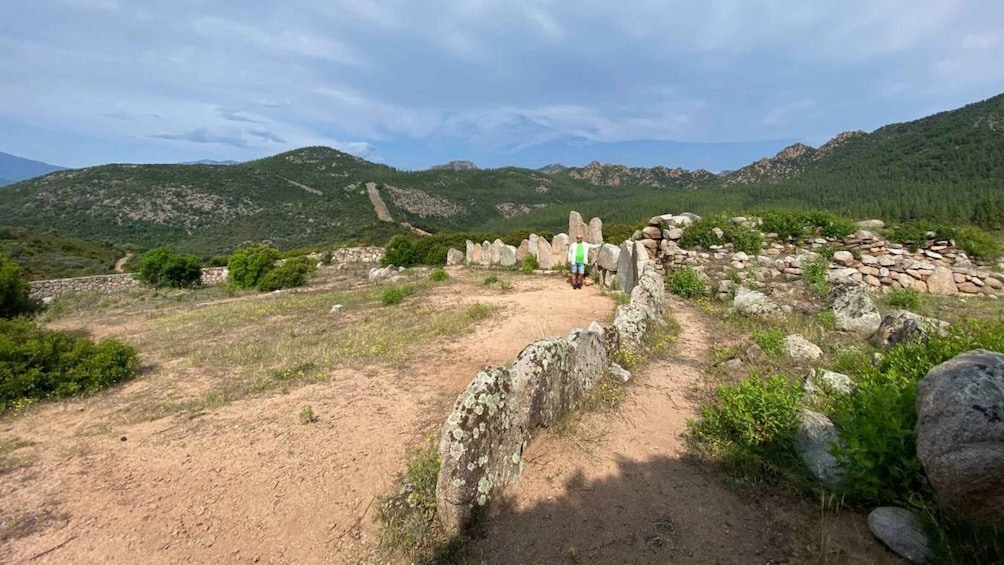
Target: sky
{"x": 414, "y": 83}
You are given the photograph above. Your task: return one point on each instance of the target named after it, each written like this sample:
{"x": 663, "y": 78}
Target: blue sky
{"x": 413, "y": 83}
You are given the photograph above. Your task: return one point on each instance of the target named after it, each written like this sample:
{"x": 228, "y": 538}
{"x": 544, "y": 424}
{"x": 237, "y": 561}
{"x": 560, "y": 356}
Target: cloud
{"x": 235, "y": 116}
{"x": 203, "y": 135}
{"x": 265, "y": 134}
{"x": 299, "y": 42}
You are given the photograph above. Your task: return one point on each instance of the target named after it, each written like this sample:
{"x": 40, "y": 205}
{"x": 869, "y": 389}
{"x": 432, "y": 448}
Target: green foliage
{"x": 530, "y": 264}
{"x": 619, "y": 233}
{"x": 307, "y": 415}
{"x": 438, "y": 275}
{"x": 796, "y": 223}
{"x": 396, "y": 294}
{"x": 877, "y": 422}
{"x": 490, "y": 280}
{"x": 515, "y": 238}
{"x": 771, "y": 341}
{"x": 248, "y": 265}
{"x": 686, "y": 282}
{"x": 292, "y": 273}
{"x": 749, "y": 427}
{"x": 702, "y": 234}
{"x": 827, "y": 319}
{"x": 978, "y": 244}
{"x": 906, "y": 298}
{"x": 814, "y": 275}
{"x": 162, "y": 267}
{"x": 911, "y": 234}
{"x": 52, "y": 256}
{"x": 14, "y": 290}
{"x": 36, "y": 363}
{"x": 787, "y": 224}
{"x": 407, "y": 518}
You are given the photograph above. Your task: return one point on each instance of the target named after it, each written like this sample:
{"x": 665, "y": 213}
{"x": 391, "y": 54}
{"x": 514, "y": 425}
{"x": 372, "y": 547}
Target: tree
{"x": 162, "y": 267}
{"x": 15, "y": 292}
{"x": 249, "y": 264}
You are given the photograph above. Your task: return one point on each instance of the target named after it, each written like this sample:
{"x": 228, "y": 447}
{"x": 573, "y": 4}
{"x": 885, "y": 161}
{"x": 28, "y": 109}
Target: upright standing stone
{"x": 454, "y": 257}
{"x": 607, "y": 258}
{"x": 475, "y": 254}
{"x": 642, "y": 256}
{"x": 576, "y": 226}
{"x": 534, "y": 245}
{"x": 559, "y": 247}
{"x": 627, "y": 267}
{"x": 486, "y": 253}
{"x": 545, "y": 258}
{"x": 595, "y": 235}
{"x": 508, "y": 256}
{"x": 497, "y": 251}
{"x": 523, "y": 250}
{"x": 469, "y": 256}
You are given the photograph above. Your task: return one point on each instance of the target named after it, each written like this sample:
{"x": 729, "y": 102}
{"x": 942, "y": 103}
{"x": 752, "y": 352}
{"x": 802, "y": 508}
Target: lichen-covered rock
{"x": 595, "y": 235}
{"x": 650, "y": 293}
{"x": 378, "y": 275}
{"x": 752, "y": 303}
{"x": 853, "y": 310}
{"x": 902, "y": 326}
{"x": 960, "y": 434}
{"x": 901, "y": 531}
{"x": 813, "y": 440}
{"x": 507, "y": 256}
{"x": 821, "y": 382}
{"x": 454, "y": 257}
{"x": 559, "y": 248}
{"x": 497, "y": 246}
{"x": 627, "y": 267}
{"x": 607, "y": 258}
{"x": 486, "y": 253}
{"x": 545, "y": 257}
{"x": 801, "y": 350}
{"x": 469, "y": 255}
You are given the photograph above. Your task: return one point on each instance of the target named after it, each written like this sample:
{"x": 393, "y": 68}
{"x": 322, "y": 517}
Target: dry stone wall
{"x": 496, "y": 417}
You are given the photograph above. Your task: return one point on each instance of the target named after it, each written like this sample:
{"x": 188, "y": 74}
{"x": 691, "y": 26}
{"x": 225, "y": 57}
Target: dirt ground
{"x": 246, "y": 483}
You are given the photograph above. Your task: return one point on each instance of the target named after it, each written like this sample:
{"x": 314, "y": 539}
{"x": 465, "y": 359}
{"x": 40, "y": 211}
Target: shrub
{"x": 217, "y": 261}
{"x": 702, "y": 233}
{"x": 162, "y": 267}
{"x": 787, "y": 224}
{"x": 15, "y": 291}
{"x": 911, "y": 234}
{"x": 407, "y": 518}
{"x": 771, "y": 341}
{"x": 839, "y": 227}
{"x": 906, "y": 298}
{"x": 619, "y": 233}
{"x": 37, "y": 363}
{"x": 396, "y": 294}
{"x": 978, "y": 244}
{"x": 438, "y": 275}
{"x": 686, "y": 282}
{"x": 490, "y": 280}
{"x": 814, "y": 275}
{"x": 530, "y": 264}
{"x": 307, "y": 415}
{"x": 292, "y": 273}
{"x": 249, "y": 264}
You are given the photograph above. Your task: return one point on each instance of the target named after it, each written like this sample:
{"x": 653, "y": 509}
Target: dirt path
{"x": 246, "y": 483}
{"x": 378, "y": 204}
{"x": 120, "y": 264}
{"x": 305, "y": 187}
{"x": 627, "y": 492}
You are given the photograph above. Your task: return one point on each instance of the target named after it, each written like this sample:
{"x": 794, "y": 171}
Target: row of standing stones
{"x": 960, "y": 407}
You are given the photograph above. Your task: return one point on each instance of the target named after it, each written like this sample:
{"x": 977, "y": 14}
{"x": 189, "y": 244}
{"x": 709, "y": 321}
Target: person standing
{"x": 578, "y": 256}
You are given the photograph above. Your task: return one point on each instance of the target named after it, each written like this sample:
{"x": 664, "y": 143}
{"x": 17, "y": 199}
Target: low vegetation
{"x": 705, "y": 234}
{"x": 687, "y": 283}
{"x": 15, "y": 299}
{"x": 396, "y": 294}
{"x": 162, "y": 267}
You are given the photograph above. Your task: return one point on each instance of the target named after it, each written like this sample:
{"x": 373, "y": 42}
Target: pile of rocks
{"x": 549, "y": 254}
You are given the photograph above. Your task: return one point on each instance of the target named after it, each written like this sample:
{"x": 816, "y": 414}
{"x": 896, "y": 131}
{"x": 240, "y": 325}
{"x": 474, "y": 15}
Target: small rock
{"x": 755, "y": 354}
{"x": 620, "y": 372}
{"x": 844, "y": 258}
{"x": 734, "y": 364}
{"x": 815, "y": 436}
{"x": 801, "y": 350}
{"x": 336, "y": 308}
{"x": 901, "y": 326}
{"x": 901, "y": 531}
{"x": 820, "y": 382}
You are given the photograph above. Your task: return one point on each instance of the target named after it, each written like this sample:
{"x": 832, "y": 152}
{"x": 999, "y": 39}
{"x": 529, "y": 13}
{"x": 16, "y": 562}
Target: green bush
{"x": 438, "y": 275}
{"x": 15, "y": 291}
{"x": 248, "y": 265}
{"x": 396, "y": 294}
{"x": 702, "y": 234}
{"x": 911, "y": 234}
{"x": 490, "y": 280}
{"x": 787, "y": 224}
{"x": 36, "y": 363}
{"x": 839, "y": 227}
{"x": 747, "y": 240}
{"x": 407, "y": 518}
{"x": 292, "y": 273}
{"x": 978, "y": 244}
{"x": 686, "y": 282}
{"x": 530, "y": 264}
{"x": 814, "y": 275}
{"x": 794, "y": 224}
{"x": 619, "y": 233}
{"x": 162, "y": 267}
{"x": 906, "y": 298}
{"x": 771, "y": 341}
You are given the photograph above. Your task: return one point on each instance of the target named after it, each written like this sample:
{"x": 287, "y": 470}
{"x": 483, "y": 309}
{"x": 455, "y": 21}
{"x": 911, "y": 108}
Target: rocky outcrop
{"x": 960, "y": 434}
{"x": 813, "y": 441}
{"x": 901, "y": 531}
{"x": 853, "y": 310}
{"x": 752, "y": 303}
{"x": 455, "y": 166}
{"x": 383, "y": 274}
{"x": 901, "y": 326}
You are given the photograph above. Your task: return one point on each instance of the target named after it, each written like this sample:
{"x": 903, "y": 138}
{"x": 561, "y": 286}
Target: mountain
{"x": 209, "y": 162}
{"x": 552, "y": 169}
{"x": 619, "y": 175}
{"x": 14, "y": 168}
{"x": 455, "y": 166}
{"x": 5, "y": 182}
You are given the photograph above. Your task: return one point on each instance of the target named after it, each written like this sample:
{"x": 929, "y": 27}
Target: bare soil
{"x": 247, "y": 483}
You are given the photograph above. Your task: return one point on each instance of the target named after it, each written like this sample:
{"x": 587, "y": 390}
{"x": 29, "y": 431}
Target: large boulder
{"x": 901, "y": 326}
{"x": 576, "y": 226}
{"x": 378, "y": 274}
{"x": 454, "y": 257}
{"x": 815, "y": 437}
{"x": 801, "y": 350}
{"x": 853, "y": 309}
{"x": 507, "y": 256}
{"x": 559, "y": 248}
{"x": 627, "y": 267}
{"x": 545, "y": 257}
{"x": 595, "y": 235}
{"x": 523, "y": 250}
{"x": 753, "y": 303}
{"x": 475, "y": 255}
{"x": 901, "y": 531}
{"x": 607, "y": 258}
{"x": 469, "y": 255}
{"x": 497, "y": 251}
{"x": 942, "y": 282}
{"x": 871, "y": 225}
{"x": 960, "y": 434}
{"x": 486, "y": 253}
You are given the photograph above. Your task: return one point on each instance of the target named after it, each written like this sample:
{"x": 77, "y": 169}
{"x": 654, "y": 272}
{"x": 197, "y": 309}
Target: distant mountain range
{"x": 209, "y": 162}
{"x": 14, "y": 168}
{"x": 455, "y": 166}
{"x": 946, "y": 167}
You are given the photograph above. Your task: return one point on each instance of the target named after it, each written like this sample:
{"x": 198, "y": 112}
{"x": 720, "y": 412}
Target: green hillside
{"x": 51, "y": 256}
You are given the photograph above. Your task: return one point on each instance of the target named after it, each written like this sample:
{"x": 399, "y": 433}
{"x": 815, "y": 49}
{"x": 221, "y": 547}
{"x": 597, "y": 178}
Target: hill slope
{"x": 14, "y": 168}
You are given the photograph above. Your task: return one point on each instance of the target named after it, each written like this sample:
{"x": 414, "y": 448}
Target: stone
{"x": 336, "y": 308}
{"x": 718, "y": 233}
{"x": 960, "y": 434}
{"x": 576, "y": 226}
{"x": 595, "y": 232}
{"x": 853, "y": 310}
{"x": 454, "y": 257}
{"x": 651, "y": 232}
{"x": 734, "y": 364}
{"x": 740, "y": 256}
{"x": 476, "y": 254}
{"x": 620, "y": 372}
{"x": 545, "y": 258}
{"x": 559, "y": 248}
{"x": 821, "y": 382}
{"x": 801, "y": 350}
{"x": 901, "y": 326}
{"x": 813, "y": 440}
{"x": 486, "y": 253}
{"x": 873, "y": 281}
{"x": 507, "y": 257}
{"x": 869, "y": 260}
{"x": 942, "y": 282}
{"x": 844, "y": 258}
{"x": 755, "y": 354}
{"x": 627, "y": 267}
{"x": 674, "y": 234}
{"x": 497, "y": 251}
{"x": 469, "y": 255}
{"x": 993, "y": 283}
{"x": 378, "y": 275}
{"x": 753, "y": 303}
{"x": 607, "y": 257}
{"x": 901, "y": 531}
{"x": 533, "y": 244}
{"x": 871, "y": 225}
{"x": 523, "y": 250}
